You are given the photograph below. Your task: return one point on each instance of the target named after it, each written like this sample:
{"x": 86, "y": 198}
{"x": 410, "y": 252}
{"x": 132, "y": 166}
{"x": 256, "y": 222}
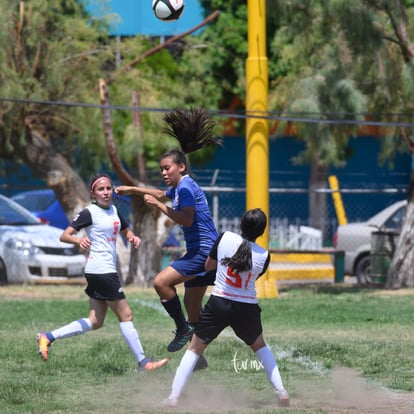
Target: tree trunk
{"x": 68, "y": 186}
{"x": 145, "y": 262}
{"x": 317, "y": 199}
{"x": 401, "y": 272}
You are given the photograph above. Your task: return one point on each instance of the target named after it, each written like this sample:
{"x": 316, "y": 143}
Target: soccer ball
{"x": 167, "y": 10}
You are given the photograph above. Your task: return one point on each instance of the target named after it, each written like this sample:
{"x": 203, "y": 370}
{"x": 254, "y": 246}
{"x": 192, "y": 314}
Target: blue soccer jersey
{"x": 202, "y": 234}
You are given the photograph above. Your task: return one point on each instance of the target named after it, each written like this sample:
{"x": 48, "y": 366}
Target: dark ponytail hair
{"x": 192, "y": 129}
{"x": 252, "y": 225}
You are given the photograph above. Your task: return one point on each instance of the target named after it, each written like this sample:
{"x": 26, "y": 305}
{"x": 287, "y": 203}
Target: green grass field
{"x": 339, "y": 349}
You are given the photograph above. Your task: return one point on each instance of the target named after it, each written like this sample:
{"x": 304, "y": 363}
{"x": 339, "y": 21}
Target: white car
{"x": 355, "y": 239}
{"x": 31, "y": 252}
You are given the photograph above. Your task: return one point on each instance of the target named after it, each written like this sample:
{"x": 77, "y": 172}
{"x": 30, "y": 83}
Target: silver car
{"x": 31, "y": 252}
{"x": 355, "y": 239}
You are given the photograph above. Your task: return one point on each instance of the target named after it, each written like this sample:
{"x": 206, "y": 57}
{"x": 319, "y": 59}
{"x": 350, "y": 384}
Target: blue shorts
{"x": 192, "y": 264}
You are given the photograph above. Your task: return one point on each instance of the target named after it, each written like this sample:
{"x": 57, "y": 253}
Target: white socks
{"x": 190, "y": 358}
{"x": 183, "y": 373}
{"x": 74, "y": 328}
{"x": 265, "y": 356}
{"x": 84, "y": 325}
{"x": 131, "y": 337}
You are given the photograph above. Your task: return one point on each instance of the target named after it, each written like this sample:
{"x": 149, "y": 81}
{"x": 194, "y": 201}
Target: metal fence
{"x": 289, "y": 210}
{"x": 362, "y": 197}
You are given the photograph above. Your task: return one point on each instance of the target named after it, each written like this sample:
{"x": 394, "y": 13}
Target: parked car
{"x": 31, "y": 252}
{"x": 44, "y": 205}
{"x": 355, "y": 239}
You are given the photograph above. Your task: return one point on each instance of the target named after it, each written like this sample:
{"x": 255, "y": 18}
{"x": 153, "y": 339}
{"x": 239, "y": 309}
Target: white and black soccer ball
{"x": 168, "y": 10}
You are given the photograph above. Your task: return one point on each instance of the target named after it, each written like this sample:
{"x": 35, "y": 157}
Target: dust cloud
{"x": 343, "y": 391}
{"x": 347, "y": 393}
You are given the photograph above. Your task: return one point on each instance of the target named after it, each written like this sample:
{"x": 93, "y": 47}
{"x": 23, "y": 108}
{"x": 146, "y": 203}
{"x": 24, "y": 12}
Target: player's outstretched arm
{"x": 141, "y": 191}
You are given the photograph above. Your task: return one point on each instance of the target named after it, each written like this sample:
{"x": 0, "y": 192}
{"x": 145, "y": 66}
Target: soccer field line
{"x": 153, "y": 304}
{"x": 292, "y": 355}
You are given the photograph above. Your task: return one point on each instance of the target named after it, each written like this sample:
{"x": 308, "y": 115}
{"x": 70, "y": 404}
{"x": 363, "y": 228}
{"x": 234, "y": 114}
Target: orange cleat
{"x": 151, "y": 365}
{"x": 43, "y": 344}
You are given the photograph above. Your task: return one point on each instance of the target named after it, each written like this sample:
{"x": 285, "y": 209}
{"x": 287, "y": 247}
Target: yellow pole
{"x": 337, "y": 200}
{"x": 257, "y": 129}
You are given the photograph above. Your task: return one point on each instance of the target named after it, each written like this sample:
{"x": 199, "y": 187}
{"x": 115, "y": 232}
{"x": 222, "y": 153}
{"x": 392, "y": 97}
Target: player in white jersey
{"x": 102, "y": 224}
{"x": 239, "y": 262}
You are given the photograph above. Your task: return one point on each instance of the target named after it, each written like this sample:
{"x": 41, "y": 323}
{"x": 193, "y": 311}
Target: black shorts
{"x": 206, "y": 280}
{"x": 105, "y": 286}
{"x": 218, "y": 313}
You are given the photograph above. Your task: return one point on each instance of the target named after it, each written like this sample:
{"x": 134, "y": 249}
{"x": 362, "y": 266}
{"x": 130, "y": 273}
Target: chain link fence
{"x": 362, "y": 196}
{"x": 290, "y": 209}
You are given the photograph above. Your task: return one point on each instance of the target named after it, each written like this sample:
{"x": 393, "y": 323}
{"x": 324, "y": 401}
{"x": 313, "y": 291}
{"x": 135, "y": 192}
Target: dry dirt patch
{"x": 344, "y": 392}
{"x": 348, "y": 393}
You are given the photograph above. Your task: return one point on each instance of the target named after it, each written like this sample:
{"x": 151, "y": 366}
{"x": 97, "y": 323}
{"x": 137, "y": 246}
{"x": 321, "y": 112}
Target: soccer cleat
{"x": 180, "y": 339}
{"x": 43, "y": 344}
{"x": 151, "y": 365}
{"x": 282, "y": 398}
{"x": 170, "y": 402}
{"x": 201, "y": 364}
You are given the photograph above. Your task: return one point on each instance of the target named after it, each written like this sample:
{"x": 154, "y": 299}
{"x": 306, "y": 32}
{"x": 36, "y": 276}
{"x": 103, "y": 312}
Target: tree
{"x": 307, "y": 75}
{"x": 42, "y": 51}
{"x": 315, "y": 84}
{"x": 326, "y": 143}
{"x": 335, "y": 59}
{"x": 51, "y": 60}
{"x": 378, "y": 33}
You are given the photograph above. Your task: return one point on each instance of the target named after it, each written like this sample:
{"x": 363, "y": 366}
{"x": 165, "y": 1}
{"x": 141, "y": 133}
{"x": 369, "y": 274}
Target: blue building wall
{"x": 132, "y": 17}
{"x": 383, "y": 185}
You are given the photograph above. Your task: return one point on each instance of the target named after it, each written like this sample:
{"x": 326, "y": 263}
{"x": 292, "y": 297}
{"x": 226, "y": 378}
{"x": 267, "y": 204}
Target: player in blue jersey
{"x": 102, "y": 224}
{"x": 193, "y": 129}
{"x": 238, "y": 261}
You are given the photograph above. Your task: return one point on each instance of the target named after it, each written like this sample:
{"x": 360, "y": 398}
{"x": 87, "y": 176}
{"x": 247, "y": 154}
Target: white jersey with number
{"x": 239, "y": 287}
{"x": 102, "y": 227}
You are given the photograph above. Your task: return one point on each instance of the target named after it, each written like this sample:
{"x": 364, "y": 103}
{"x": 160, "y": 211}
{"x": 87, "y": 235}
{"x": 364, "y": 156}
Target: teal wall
{"x": 362, "y": 172}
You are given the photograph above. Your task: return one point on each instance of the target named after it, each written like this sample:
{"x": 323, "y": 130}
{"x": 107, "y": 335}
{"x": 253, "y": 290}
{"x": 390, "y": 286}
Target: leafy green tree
{"x": 387, "y": 51}
{"x": 330, "y": 61}
{"x": 307, "y": 75}
{"x": 373, "y": 48}
{"x": 48, "y": 54}
{"x": 51, "y": 59}
{"x": 315, "y": 84}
